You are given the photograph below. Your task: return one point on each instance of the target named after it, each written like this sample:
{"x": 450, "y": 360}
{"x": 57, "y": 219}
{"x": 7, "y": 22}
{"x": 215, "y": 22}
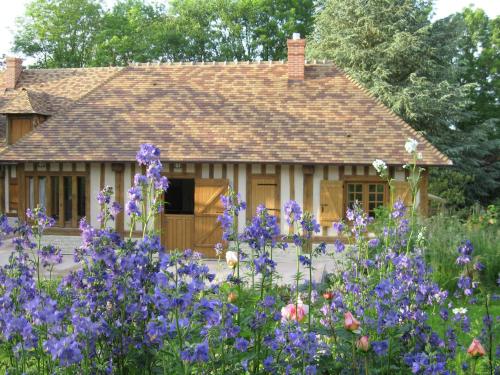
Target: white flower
{"x": 411, "y": 145}
{"x": 379, "y": 165}
{"x": 460, "y": 310}
{"x": 420, "y": 156}
{"x": 231, "y": 259}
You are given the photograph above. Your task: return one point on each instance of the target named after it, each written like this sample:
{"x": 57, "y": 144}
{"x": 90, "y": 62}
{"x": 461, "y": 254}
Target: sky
{"x": 12, "y": 9}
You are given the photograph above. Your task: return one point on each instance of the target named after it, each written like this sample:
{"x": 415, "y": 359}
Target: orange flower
{"x": 350, "y": 322}
{"x": 328, "y": 295}
{"x": 476, "y": 349}
{"x": 363, "y": 343}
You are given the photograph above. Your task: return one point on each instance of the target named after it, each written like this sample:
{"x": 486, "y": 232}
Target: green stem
{"x": 310, "y": 293}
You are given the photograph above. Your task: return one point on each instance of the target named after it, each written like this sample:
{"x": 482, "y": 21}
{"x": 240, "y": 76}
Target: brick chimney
{"x": 13, "y": 71}
{"x": 296, "y": 58}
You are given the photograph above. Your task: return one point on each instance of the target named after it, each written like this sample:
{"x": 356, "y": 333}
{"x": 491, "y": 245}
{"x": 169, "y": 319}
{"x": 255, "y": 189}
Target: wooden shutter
{"x": 18, "y": 128}
{"x": 331, "y": 201}
{"x": 207, "y": 207}
{"x": 402, "y": 191}
{"x": 265, "y": 190}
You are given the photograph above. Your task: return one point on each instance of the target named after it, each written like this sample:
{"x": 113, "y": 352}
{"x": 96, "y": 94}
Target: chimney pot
{"x": 296, "y": 58}
{"x": 13, "y": 71}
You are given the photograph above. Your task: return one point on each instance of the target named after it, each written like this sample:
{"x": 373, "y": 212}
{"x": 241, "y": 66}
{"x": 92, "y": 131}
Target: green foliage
{"x": 59, "y": 33}
{"x": 441, "y": 77}
{"x": 446, "y": 232}
{"x": 398, "y": 54}
{"x": 80, "y": 33}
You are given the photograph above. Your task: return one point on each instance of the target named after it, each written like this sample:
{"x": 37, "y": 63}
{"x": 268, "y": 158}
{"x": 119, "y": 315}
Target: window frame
{"x": 365, "y": 181}
{"x": 74, "y": 175}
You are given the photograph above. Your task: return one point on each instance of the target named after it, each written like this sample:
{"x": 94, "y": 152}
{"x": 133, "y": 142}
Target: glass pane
{"x": 54, "y": 199}
{"x": 80, "y": 182}
{"x": 380, "y": 188}
{"x": 372, "y": 188}
{"x": 68, "y": 199}
{"x": 371, "y": 197}
{"x": 31, "y": 192}
{"x": 41, "y": 192}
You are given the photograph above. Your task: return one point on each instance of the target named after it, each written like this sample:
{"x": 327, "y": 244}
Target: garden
{"x": 413, "y": 295}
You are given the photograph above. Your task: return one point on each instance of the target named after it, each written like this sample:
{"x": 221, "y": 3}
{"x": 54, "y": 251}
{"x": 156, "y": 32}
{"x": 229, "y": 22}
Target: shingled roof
{"x": 215, "y": 113}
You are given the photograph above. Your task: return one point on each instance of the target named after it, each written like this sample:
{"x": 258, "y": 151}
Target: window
{"x": 369, "y": 196}
{"x": 179, "y": 198}
{"x": 63, "y": 196}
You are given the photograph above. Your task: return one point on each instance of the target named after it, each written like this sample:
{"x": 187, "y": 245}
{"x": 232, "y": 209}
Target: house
{"x": 274, "y": 131}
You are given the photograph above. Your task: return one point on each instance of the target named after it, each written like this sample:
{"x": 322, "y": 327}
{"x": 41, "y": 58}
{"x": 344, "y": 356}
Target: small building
{"x": 274, "y": 131}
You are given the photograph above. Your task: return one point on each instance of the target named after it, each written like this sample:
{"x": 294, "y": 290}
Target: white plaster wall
{"x": 299, "y": 184}
{"x": 109, "y": 180}
{"x": 217, "y": 170}
{"x": 205, "y": 170}
{"x": 348, "y": 170}
{"x": 284, "y": 195}
{"x": 399, "y": 174}
{"x": 95, "y": 181}
{"x": 127, "y": 175}
{"x": 242, "y": 190}
{"x": 256, "y": 169}
{"x": 270, "y": 169}
{"x": 333, "y": 175}
{"x": 230, "y": 174}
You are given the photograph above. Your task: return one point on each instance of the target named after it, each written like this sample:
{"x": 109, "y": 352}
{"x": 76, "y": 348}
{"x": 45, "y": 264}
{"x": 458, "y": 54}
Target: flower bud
{"x": 231, "y": 259}
{"x": 363, "y": 343}
{"x": 232, "y": 297}
{"x": 350, "y": 322}
{"x": 476, "y": 349}
{"x": 328, "y": 295}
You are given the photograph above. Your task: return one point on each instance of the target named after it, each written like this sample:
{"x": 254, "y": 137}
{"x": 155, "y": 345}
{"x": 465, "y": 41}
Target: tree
{"x": 59, "y": 33}
{"x": 398, "y": 54}
{"x": 133, "y": 31}
{"x": 441, "y": 77}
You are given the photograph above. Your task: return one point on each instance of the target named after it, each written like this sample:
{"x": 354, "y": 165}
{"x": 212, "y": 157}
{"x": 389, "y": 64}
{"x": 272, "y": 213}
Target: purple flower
{"x": 147, "y": 154}
{"x": 380, "y": 347}
{"x": 241, "y": 344}
{"x": 293, "y": 212}
{"x": 339, "y": 246}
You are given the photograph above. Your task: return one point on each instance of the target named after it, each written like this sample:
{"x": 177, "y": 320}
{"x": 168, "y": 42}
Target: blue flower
{"x": 380, "y": 347}
{"x": 241, "y": 344}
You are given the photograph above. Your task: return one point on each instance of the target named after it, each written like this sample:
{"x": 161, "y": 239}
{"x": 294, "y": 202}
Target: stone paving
{"x": 286, "y": 260}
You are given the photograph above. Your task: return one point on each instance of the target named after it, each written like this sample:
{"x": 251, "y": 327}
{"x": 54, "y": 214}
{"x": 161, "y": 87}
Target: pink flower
{"x": 294, "y": 312}
{"x": 476, "y": 349}
{"x": 350, "y": 322}
{"x": 363, "y": 343}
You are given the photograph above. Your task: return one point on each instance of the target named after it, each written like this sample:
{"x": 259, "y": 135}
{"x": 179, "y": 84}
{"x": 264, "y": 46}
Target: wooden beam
{"x": 249, "y": 212}
{"x": 61, "y": 202}
{"x": 74, "y": 201}
{"x": 119, "y": 198}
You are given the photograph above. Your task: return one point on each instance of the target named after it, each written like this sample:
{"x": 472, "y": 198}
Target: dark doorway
{"x": 179, "y": 198}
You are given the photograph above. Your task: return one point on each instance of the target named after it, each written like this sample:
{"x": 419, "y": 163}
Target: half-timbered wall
{"x": 314, "y": 187}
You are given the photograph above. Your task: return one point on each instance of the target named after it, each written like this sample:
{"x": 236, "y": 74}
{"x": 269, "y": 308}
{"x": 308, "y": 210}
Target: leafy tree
{"x": 59, "y": 33}
{"x": 132, "y": 31}
{"x": 441, "y": 77}
{"x": 394, "y": 50}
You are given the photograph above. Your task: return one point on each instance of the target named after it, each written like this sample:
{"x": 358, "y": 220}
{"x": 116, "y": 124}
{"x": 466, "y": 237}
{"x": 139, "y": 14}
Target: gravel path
{"x": 286, "y": 260}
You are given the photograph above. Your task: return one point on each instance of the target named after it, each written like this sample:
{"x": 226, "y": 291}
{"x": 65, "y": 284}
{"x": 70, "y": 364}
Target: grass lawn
{"x": 476, "y": 313}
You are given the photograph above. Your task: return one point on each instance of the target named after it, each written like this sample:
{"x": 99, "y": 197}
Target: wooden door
{"x": 178, "y": 231}
{"x": 18, "y": 128}
{"x": 265, "y": 190}
{"x": 331, "y": 202}
{"x": 207, "y": 207}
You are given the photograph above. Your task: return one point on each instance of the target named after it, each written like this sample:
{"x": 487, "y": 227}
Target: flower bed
{"x": 132, "y": 308}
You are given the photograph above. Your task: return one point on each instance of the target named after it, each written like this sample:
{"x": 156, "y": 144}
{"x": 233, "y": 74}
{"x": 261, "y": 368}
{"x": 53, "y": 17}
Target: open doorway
{"x": 178, "y": 214}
